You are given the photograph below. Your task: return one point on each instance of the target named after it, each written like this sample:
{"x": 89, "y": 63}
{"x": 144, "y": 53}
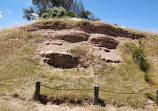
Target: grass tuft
{"x": 150, "y": 96}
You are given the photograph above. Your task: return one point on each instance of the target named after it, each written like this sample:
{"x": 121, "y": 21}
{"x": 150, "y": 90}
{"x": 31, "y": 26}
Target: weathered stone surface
{"x": 104, "y": 41}
{"x": 60, "y": 59}
{"x": 111, "y": 60}
{"x": 73, "y": 36}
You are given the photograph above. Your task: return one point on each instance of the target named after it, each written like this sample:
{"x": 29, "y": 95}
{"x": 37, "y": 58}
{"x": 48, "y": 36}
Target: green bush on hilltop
{"x": 58, "y": 12}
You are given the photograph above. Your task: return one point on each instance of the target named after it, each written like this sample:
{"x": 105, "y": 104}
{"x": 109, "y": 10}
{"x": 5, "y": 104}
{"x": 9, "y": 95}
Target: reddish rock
{"x": 104, "y": 41}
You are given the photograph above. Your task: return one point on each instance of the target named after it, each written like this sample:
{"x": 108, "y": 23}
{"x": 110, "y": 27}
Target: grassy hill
{"x": 19, "y": 64}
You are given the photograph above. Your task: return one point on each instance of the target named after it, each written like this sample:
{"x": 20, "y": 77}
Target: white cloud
{"x": 0, "y": 14}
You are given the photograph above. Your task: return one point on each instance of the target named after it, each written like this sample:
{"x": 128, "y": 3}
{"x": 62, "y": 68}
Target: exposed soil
{"x": 102, "y": 39}
{"x": 62, "y": 46}
{"x": 85, "y": 26}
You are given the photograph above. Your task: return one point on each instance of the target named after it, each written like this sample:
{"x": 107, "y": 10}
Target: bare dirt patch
{"x": 103, "y": 48}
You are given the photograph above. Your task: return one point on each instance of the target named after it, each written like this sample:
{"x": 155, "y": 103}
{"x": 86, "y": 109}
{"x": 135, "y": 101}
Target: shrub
{"x": 144, "y": 65}
{"x": 57, "y": 12}
{"x": 70, "y": 13}
{"x": 138, "y": 54}
{"x": 54, "y": 12}
{"x": 146, "y": 77}
{"x": 45, "y": 15}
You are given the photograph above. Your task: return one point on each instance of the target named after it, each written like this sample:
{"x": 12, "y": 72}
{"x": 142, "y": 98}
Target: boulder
{"x": 104, "y": 41}
{"x": 73, "y": 36}
{"x": 60, "y": 59}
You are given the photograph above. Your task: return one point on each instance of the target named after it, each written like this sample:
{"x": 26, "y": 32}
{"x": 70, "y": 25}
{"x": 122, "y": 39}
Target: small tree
{"x": 74, "y": 8}
{"x": 88, "y": 15}
{"x": 41, "y": 6}
{"x": 28, "y": 14}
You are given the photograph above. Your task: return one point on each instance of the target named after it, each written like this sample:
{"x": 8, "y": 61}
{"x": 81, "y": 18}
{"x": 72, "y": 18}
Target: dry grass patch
{"x": 85, "y": 54}
{"x": 67, "y": 79}
{"x": 6, "y": 107}
{"x": 17, "y": 61}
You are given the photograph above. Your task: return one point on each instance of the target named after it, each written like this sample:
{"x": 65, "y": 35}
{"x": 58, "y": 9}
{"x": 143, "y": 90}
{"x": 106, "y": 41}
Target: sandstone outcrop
{"x": 104, "y": 41}
{"x": 73, "y": 36}
{"x": 86, "y": 26}
{"x": 60, "y": 59}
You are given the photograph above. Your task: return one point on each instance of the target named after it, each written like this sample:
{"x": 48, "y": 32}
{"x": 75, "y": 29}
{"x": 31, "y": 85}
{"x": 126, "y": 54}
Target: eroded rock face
{"x": 73, "y": 36}
{"x": 104, "y": 41}
{"x": 111, "y": 60}
{"x": 60, "y": 59}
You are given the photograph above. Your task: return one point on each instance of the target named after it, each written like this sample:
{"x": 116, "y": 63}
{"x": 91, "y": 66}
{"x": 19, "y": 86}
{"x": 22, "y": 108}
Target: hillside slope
{"x": 64, "y": 53}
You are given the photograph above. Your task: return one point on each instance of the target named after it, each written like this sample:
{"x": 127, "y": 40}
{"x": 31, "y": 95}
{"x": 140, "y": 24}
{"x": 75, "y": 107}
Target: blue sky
{"x": 140, "y": 14}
